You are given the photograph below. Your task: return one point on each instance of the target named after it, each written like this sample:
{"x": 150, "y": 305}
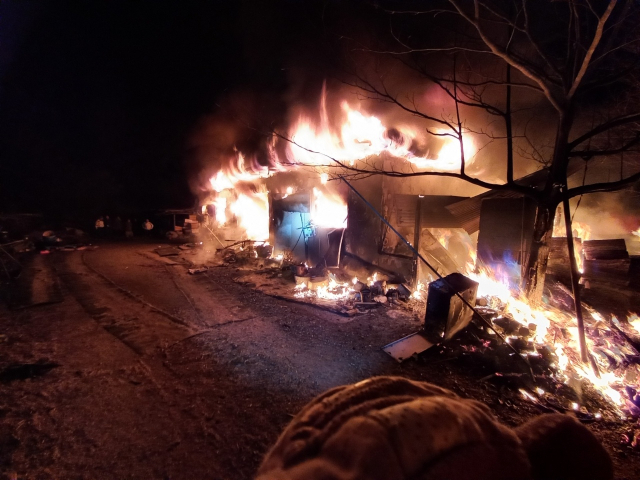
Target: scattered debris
{"x": 408, "y": 347}
{"x": 446, "y": 314}
{"x": 193, "y": 271}
{"x": 167, "y": 251}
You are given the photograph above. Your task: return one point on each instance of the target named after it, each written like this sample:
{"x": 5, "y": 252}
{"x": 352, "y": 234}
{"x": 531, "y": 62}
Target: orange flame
{"x": 362, "y": 136}
{"x": 253, "y": 214}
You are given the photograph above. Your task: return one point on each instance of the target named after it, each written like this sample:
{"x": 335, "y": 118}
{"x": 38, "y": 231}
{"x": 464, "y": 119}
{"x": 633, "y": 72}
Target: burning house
{"x": 298, "y": 203}
{"x": 338, "y": 226}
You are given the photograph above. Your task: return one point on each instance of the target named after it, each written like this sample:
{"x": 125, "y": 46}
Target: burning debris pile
{"x": 332, "y": 289}
{"x": 545, "y": 336}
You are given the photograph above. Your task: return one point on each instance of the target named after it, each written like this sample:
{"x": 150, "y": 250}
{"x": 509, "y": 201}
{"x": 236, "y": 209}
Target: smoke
{"x": 610, "y": 215}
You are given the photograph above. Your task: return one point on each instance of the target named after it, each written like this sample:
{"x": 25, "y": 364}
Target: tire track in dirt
{"x": 142, "y": 327}
{"x": 194, "y": 402}
{"x": 214, "y": 305}
{"x": 207, "y": 382}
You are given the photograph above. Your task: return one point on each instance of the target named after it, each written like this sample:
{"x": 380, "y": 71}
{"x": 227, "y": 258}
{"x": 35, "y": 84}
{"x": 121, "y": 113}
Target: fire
{"x": 220, "y": 205}
{"x": 328, "y": 210}
{"x": 253, "y": 215}
{"x": 445, "y": 238}
{"x": 581, "y": 230}
{"x": 578, "y": 229}
{"x": 419, "y": 292}
{"x": 334, "y": 290}
{"x": 356, "y": 138}
{"x": 220, "y": 182}
{"x": 557, "y": 330}
{"x": 237, "y": 173}
{"x": 362, "y": 136}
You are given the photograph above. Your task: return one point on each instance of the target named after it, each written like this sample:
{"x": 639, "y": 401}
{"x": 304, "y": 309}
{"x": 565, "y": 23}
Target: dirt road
{"x": 148, "y": 372}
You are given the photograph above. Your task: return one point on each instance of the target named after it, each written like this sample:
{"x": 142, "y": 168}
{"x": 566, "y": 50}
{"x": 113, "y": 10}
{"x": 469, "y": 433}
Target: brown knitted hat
{"x": 391, "y": 428}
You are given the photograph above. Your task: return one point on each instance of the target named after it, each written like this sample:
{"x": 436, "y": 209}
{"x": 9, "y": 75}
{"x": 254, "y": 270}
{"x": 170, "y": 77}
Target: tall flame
{"x": 328, "y": 210}
{"x": 253, "y": 214}
{"x": 362, "y": 136}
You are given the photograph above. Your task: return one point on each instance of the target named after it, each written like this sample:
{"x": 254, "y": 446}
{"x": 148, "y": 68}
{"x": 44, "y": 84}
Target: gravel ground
{"x": 144, "y": 371}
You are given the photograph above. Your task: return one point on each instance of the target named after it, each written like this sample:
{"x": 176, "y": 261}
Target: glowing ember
{"x": 419, "y": 293}
{"x": 557, "y": 329}
{"x": 527, "y": 395}
{"x": 288, "y": 192}
{"x": 334, "y": 290}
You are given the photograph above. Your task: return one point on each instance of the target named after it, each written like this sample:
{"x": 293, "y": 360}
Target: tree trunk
{"x": 535, "y": 267}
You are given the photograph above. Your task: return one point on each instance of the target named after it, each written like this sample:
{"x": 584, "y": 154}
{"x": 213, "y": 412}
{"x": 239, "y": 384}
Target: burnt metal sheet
{"x": 408, "y": 346}
{"x": 446, "y": 313}
{"x": 433, "y": 212}
{"x": 404, "y": 207}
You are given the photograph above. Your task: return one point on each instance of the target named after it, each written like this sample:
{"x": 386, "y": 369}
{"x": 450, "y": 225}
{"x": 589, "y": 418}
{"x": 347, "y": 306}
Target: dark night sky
{"x": 98, "y": 98}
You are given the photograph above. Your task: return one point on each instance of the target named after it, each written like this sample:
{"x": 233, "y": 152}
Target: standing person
{"x": 107, "y": 227}
{"x": 147, "y": 226}
{"x": 128, "y": 229}
{"x": 99, "y": 227}
{"x": 117, "y": 227}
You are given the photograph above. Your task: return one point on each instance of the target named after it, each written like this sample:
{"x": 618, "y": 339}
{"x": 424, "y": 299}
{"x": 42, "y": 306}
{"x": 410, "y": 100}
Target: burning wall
{"x": 307, "y": 160}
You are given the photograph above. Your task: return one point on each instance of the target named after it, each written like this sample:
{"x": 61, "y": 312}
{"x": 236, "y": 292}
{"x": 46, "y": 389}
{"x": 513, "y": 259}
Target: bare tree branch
{"x": 526, "y": 70}
{"x": 592, "y": 48}
{"x": 613, "y": 123}
{"x": 603, "y": 186}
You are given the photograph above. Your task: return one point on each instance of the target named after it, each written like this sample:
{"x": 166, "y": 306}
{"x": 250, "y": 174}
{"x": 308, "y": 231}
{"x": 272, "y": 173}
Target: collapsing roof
{"x": 467, "y": 212}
